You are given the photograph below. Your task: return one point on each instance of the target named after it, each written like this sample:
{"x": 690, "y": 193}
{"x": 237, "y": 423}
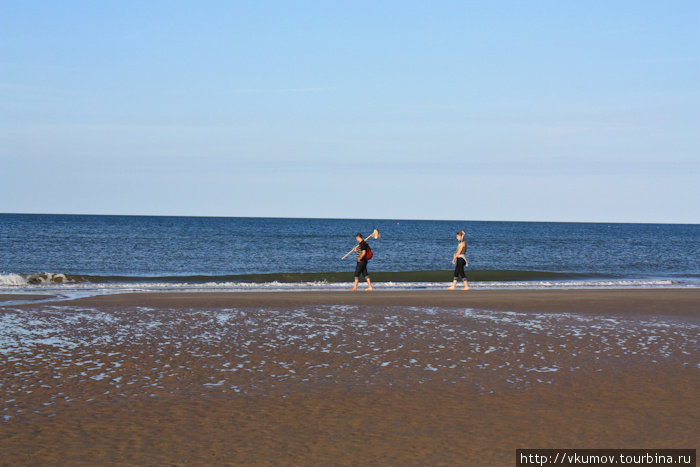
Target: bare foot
{"x": 354, "y": 289}
{"x": 452, "y": 287}
{"x": 465, "y": 288}
{"x": 369, "y": 289}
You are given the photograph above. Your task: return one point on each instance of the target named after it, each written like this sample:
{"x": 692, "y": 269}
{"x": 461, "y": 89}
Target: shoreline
{"x": 663, "y": 301}
{"x": 11, "y": 297}
{"x": 505, "y": 278}
{"x": 437, "y": 275}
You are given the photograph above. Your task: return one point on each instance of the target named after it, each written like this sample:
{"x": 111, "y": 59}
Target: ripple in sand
{"x": 131, "y": 352}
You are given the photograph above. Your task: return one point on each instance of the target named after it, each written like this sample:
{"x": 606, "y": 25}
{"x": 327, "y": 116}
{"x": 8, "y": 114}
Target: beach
{"x": 339, "y": 378}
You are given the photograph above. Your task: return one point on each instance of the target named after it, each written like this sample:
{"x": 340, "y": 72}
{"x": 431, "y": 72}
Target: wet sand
{"x": 597, "y": 301}
{"x": 387, "y": 378}
{"x": 13, "y": 297}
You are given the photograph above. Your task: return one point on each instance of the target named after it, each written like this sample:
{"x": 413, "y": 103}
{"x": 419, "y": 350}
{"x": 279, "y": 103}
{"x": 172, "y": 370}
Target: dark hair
{"x": 358, "y": 234}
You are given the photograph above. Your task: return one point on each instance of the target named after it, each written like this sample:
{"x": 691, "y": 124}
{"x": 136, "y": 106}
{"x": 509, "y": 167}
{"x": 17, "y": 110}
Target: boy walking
{"x": 363, "y": 253}
{"x": 459, "y": 259}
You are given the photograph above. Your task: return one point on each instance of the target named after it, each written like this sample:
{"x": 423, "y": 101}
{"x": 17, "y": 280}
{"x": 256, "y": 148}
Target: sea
{"x": 77, "y": 255}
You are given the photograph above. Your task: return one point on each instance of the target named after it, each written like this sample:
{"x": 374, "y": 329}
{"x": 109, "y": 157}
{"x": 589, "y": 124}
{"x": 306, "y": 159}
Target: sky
{"x": 585, "y": 111}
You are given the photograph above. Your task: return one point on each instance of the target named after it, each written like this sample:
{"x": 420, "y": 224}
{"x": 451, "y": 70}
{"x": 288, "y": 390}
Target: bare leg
{"x": 369, "y": 285}
{"x": 354, "y": 287}
{"x": 466, "y": 286}
{"x": 452, "y": 287}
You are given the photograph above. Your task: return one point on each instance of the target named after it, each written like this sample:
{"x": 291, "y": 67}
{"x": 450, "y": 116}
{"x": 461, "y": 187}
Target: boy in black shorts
{"x": 361, "y": 251}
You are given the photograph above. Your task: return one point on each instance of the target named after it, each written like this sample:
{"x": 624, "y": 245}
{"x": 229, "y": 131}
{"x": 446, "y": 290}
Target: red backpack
{"x": 368, "y": 254}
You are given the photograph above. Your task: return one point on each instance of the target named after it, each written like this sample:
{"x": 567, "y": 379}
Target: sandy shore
{"x": 387, "y": 378}
{"x": 682, "y": 302}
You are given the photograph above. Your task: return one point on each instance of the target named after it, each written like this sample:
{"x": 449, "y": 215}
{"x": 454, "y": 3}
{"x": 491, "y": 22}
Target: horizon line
{"x": 343, "y": 218}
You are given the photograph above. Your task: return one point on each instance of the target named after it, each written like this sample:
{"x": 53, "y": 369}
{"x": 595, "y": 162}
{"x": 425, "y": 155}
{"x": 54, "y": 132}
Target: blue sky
{"x": 507, "y": 110}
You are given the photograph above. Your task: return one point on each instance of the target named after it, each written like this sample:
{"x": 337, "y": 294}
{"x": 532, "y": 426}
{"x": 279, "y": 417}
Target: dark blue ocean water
{"x": 216, "y": 248}
{"x": 146, "y": 247}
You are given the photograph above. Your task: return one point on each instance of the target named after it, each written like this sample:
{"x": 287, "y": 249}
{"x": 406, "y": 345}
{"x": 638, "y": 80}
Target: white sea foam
{"x": 23, "y": 280}
{"x": 12, "y": 280}
{"x": 14, "y": 283}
